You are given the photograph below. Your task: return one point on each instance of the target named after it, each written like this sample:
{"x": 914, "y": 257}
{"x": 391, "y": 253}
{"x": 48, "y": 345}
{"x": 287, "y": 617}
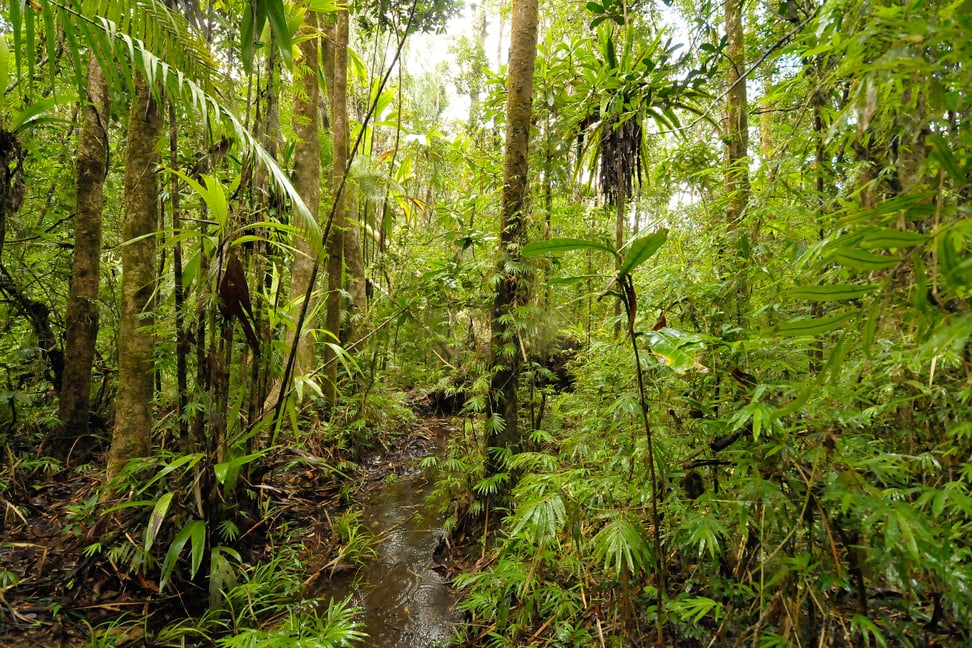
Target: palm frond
{"x": 174, "y": 59}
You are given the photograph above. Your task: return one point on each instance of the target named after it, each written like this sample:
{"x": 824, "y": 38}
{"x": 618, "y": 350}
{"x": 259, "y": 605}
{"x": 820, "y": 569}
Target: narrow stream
{"x": 406, "y": 603}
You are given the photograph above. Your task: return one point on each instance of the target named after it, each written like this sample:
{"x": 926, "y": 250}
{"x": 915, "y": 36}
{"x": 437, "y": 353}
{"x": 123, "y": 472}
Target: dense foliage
{"x": 742, "y": 376}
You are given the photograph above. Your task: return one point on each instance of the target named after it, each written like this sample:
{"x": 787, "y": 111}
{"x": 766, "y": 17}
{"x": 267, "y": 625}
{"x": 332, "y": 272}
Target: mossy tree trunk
{"x": 81, "y": 319}
{"x": 307, "y": 182}
{"x": 513, "y": 284}
{"x": 335, "y": 241}
{"x": 131, "y": 436}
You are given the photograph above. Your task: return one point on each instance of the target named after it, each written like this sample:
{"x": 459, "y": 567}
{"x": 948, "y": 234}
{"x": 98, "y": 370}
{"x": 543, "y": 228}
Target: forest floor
{"x": 53, "y": 593}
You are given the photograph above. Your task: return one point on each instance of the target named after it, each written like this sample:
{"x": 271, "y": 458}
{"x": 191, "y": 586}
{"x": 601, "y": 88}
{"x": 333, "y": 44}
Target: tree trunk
{"x": 81, "y": 320}
{"x": 354, "y": 255}
{"x": 511, "y": 290}
{"x": 307, "y": 182}
{"x": 131, "y": 436}
{"x": 737, "y": 119}
{"x": 335, "y": 242}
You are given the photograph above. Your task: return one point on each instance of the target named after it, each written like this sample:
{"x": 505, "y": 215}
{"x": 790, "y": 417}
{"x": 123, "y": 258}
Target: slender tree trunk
{"x": 737, "y": 119}
{"x": 264, "y": 198}
{"x": 307, "y": 182}
{"x": 354, "y": 255}
{"x": 512, "y": 288}
{"x": 81, "y": 320}
{"x": 131, "y": 436}
{"x": 335, "y": 242}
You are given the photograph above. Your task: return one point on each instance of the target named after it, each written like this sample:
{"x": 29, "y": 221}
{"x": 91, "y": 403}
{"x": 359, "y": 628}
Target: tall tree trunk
{"x": 81, "y": 320}
{"x": 307, "y": 182}
{"x": 512, "y": 288}
{"x": 131, "y": 436}
{"x": 354, "y": 255}
{"x": 335, "y": 242}
{"x": 737, "y": 119}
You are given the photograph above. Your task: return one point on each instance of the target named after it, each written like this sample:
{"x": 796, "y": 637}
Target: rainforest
{"x": 486, "y": 323}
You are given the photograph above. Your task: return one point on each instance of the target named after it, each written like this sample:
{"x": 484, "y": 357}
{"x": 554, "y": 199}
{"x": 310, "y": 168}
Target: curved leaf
{"x": 156, "y": 518}
{"x": 862, "y": 260}
{"x": 835, "y": 292}
{"x": 641, "y": 250}
{"x": 558, "y": 245}
{"x": 815, "y": 325}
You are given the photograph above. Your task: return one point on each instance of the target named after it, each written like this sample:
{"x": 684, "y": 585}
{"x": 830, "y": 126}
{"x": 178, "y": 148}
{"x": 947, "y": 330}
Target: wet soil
{"x": 404, "y": 592}
{"x": 53, "y": 594}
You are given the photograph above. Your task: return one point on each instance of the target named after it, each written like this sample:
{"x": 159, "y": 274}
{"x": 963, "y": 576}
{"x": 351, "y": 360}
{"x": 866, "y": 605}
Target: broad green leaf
{"x": 156, "y": 518}
{"x": 863, "y": 260}
{"x": 835, "y": 292}
{"x": 883, "y": 238}
{"x": 641, "y": 250}
{"x": 558, "y": 245}
{"x": 250, "y": 27}
{"x": 172, "y": 555}
{"x": 802, "y": 326}
{"x": 280, "y": 28}
{"x": 213, "y": 195}
{"x": 198, "y": 534}
{"x": 675, "y": 349}
{"x": 227, "y": 471}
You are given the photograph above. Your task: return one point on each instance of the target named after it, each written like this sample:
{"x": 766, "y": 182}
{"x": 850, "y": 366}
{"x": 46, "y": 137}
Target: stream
{"x": 405, "y": 602}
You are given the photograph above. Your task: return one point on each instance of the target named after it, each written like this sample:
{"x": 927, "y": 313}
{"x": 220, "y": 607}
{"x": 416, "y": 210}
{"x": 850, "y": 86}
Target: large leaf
{"x": 676, "y": 349}
{"x": 883, "y": 238}
{"x": 156, "y": 518}
{"x": 559, "y": 245}
{"x": 835, "y": 292}
{"x": 641, "y": 250}
{"x": 172, "y": 555}
{"x": 858, "y": 259}
{"x": 802, "y": 326}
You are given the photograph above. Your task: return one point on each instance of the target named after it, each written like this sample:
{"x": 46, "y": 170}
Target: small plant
{"x": 357, "y": 542}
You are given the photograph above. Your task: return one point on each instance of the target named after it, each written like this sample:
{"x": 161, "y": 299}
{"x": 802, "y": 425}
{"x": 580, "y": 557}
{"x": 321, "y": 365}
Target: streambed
{"x": 404, "y": 594}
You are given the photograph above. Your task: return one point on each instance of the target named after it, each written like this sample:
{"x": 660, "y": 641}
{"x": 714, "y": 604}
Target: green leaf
{"x": 213, "y": 195}
{"x": 641, "y": 250}
{"x": 858, "y": 259}
{"x": 279, "y": 27}
{"x": 172, "y": 555}
{"x": 883, "y": 238}
{"x": 252, "y": 24}
{"x": 198, "y": 534}
{"x": 155, "y": 520}
{"x": 836, "y": 292}
{"x": 558, "y": 245}
{"x": 4, "y": 68}
{"x": 803, "y": 326}
{"x": 227, "y": 472}
{"x": 942, "y": 153}
{"x": 675, "y": 349}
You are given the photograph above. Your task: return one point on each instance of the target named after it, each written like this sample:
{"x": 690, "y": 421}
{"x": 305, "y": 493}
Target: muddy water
{"x": 406, "y": 602}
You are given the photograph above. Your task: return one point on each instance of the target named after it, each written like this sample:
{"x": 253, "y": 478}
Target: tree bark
{"x": 335, "y": 242}
{"x": 354, "y": 255}
{"x": 81, "y": 319}
{"x": 512, "y": 288}
{"x": 131, "y": 436}
{"x": 307, "y": 182}
{"x": 737, "y": 119}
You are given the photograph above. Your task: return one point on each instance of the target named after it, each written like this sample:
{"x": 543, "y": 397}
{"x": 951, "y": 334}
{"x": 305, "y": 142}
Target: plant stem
{"x": 630, "y": 300}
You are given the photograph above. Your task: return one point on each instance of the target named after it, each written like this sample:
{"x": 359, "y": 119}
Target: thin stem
{"x": 630, "y": 300}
